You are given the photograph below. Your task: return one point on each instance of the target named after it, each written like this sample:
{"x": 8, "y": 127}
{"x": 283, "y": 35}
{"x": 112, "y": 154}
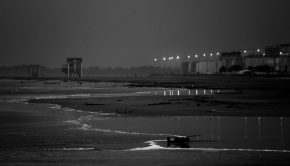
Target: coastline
{"x": 240, "y": 104}
{"x": 37, "y": 133}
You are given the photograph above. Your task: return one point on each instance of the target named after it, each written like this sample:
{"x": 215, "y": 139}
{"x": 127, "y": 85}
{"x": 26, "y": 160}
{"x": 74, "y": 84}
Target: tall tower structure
{"x": 73, "y": 67}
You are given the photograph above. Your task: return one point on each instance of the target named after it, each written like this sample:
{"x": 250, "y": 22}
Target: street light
{"x": 210, "y": 54}
{"x": 203, "y": 54}
{"x": 245, "y": 51}
{"x": 164, "y": 59}
{"x": 196, "y": 55}
{"x": 155, "y": 59}
{"x": 281, "y": 53}
{"x": 188, "y": 56}
{"x": 177, "y": 57}
{"x": 258, "y": 50}
{"x": 217, "y": 53}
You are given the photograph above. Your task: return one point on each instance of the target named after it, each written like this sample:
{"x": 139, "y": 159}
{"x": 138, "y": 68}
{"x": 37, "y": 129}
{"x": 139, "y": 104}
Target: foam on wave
{"x": 154, "y": 146}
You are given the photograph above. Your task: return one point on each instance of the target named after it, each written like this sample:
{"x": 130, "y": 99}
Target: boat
{"x": 181, "y": 142}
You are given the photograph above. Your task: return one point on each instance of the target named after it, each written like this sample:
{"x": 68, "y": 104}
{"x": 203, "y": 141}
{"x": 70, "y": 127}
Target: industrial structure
{"x": 73, "y": 67}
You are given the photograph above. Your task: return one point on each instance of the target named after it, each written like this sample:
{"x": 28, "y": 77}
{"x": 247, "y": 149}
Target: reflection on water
{"x": 25, "y": 90}
{"x": 215, "y": 132}
{"x": 190, "y": 92}
{"x": 114, "y": 93}
{"x": 22, "y": 90}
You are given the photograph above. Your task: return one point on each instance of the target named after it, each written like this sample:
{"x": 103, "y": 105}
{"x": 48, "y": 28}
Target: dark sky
{"x": 133, "y": 32}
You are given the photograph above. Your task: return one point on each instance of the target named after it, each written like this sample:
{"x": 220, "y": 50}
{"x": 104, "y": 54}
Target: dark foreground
{"x": 143, "y": 158}
{"x": 30, "y": 137}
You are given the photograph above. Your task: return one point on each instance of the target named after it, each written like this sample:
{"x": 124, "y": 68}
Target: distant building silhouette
{"x": 285, "y": 58}
{"x": 200, "y": 65}
{"x": 229, "y": 59}
{"x": 273, "y": 59}
{"x": 34, "y": 70}
{"x": 73, "y": 67}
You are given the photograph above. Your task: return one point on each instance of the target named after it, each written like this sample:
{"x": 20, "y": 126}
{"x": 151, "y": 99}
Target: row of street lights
{"x": 259, "y": 51}
{"x": 189, "y": 56}
{"x": 170, "y": 58}
{"x": 204, "y": 55}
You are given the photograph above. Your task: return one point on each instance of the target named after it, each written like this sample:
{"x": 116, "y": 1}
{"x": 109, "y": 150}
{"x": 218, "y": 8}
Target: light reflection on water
{"x": 189, "y": 92}
{"x": 25, "y": 90}
{"x": 216, "y": 132}
{"x": 121, "y": 93}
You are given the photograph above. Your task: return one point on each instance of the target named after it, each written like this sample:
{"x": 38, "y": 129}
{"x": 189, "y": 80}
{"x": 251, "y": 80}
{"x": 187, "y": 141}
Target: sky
{"x": 125, "y": 33}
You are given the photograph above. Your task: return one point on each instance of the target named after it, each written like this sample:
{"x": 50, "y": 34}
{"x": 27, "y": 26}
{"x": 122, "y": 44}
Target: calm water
{"x": 215, "y": 132}
{"x": 17, "y": 90}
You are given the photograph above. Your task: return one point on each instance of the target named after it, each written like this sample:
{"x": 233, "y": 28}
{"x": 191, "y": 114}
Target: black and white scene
{"x": 144, "y": 82}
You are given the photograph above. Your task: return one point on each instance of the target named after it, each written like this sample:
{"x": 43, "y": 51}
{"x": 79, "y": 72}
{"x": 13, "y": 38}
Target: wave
{"x": 90, "y": 127}
{"x": 70, "y": 149}
{"x": 154, "y": 146}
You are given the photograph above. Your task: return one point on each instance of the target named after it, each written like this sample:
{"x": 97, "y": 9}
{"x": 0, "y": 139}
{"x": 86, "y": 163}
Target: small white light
{"x": 210, "y": 54}
{"x": 188, "y": 56}
{"x": 196, "y": 55}
{"x": 264, "y": 54}
{"x": 245, "y": 51}
{"x": 155, "y": 59}
{"x": 281, "y": 53}
{"x": 217, "y": 53}
{"x": 164, "y": 58}
{"x": 203, "y": 54}
{"x": 258, "y": 50}
{"x": 177, "y": 57}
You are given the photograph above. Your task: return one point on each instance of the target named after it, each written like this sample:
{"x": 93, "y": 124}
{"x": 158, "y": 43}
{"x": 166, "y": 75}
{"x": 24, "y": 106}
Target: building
{"x": 200, "y": 65}
{"x": 278, "y": 57}
{"x": 273, "y": 59}
{"x": 284, "y": 52}
{"x": 189, "y": 67}
{"x": 272, "y": 53}
{"x": 73, "y": 67}
{"x": 231, "y": 61}
{"x": 253, "y": 58}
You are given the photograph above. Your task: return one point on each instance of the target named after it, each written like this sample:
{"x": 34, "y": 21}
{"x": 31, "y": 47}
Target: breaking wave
{"x": 84, "y": 126}
{"x": 70, "y": 149}
{"x": 154, "y": 146}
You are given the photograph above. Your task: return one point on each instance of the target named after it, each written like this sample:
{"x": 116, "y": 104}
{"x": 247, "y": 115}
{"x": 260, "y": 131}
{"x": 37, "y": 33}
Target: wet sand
{"x": 239, "y": 103}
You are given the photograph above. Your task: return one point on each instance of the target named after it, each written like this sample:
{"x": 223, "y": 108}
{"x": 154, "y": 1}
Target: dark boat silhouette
{"x": 181, "y": 142}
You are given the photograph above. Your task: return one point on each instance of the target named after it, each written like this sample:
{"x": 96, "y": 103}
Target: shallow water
{"x": 258, "y": 133}
{"x": 16, "y": 90}
{"x": 255, "y": 133}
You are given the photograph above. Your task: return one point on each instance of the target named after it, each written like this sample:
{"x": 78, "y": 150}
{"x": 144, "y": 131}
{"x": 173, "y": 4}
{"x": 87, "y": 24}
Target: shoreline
{"x": 131, "y": 106}
{"x": 260, "y": 82}
{"x": 40, "y": 135}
